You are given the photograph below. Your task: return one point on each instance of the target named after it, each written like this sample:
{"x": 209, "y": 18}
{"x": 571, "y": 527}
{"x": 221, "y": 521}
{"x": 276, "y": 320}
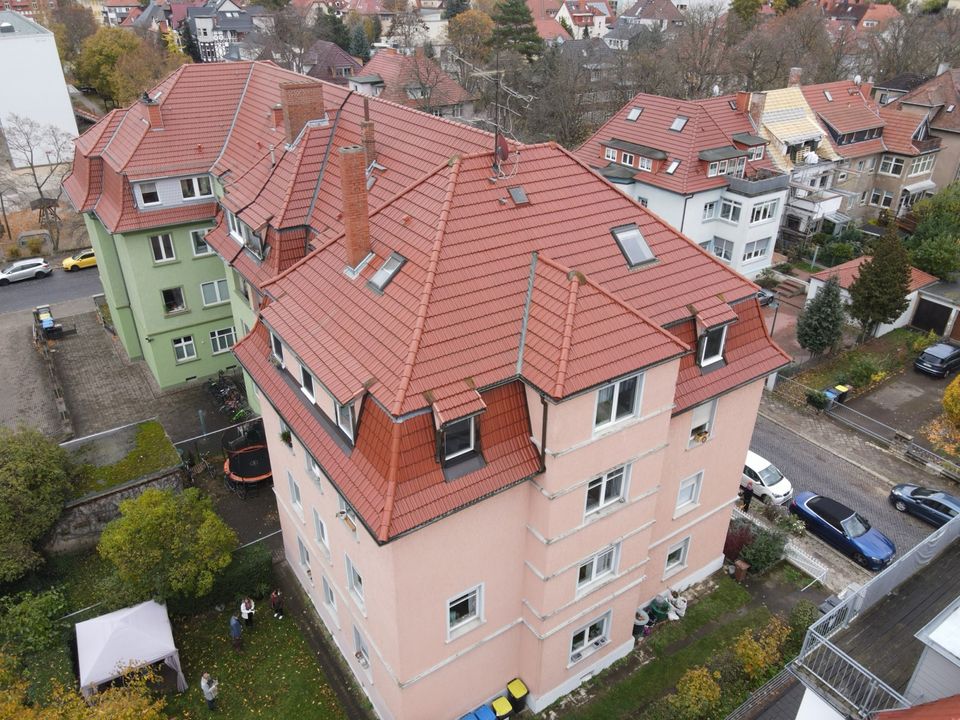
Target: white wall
{"x": 935, "y": 677}
{"x": 33, "y": 86}
{"x": 814, "y": 287}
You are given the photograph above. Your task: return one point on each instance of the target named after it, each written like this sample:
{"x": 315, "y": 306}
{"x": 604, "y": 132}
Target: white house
{"x": 33, "y": 84}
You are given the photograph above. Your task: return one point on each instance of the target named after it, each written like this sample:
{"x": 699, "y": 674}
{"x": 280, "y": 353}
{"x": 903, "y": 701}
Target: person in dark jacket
{"x": 276, "y": 602}
{"x": 747, "y": 493}
{"x": 236, "y": 633}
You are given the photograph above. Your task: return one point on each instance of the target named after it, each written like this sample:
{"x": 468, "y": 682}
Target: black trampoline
{"x": 247, "y": 466}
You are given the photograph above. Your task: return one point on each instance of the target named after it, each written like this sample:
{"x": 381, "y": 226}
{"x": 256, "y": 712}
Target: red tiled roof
{"x": 899, "y": 129}
{"x": 131, "y": 16}
{"x": 938, "y": 93}
{"x": 400, "y": 71}
{"x": 654, "y": 10}
{"x": 849, "y": 271}
{"x": 947, "y": 708}
{"x": 711, "y": 124}
{"x": 848, "y": 111}
{"x": 550, "y": 29}
{"x": 882, "y": 13}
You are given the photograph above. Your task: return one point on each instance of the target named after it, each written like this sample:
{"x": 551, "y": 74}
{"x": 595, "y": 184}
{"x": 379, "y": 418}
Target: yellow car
{"x": 83, "y": 259}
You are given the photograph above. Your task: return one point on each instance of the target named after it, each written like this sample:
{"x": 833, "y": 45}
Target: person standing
{"x": 247, "y": 608}
{"x": 276, "y": 602}
{"x": 747, "y": 496}
{"x": 236, "y": 633}
{"x": 211, "y": 689}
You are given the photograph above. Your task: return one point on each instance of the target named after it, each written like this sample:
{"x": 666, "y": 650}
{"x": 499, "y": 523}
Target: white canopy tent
{"x": 132, "y": 637}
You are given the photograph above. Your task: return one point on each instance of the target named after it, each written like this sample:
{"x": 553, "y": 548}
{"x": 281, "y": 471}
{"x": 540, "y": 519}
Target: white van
{"x": 769, "y": 484}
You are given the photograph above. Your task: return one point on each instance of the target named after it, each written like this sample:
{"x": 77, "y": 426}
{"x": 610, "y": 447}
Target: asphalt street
{"x": 59, "y": 287}
{"x": 810, "y": 468}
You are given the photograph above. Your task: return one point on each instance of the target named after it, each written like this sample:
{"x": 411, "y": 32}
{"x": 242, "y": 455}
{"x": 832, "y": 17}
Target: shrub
{"x": 838, "y": 252}
{"x": 758, "y": 651}
{"x": 803, "y": 615}
{"x": 862, "y": 369}
{"x": 35, "y": 245}
{"x": 698, "y": 692}
{"x": 767, "y": 279}
{"x": 739, "y": 534}
{"x": 29, "y": 621}
{"x": 784, "y": 267}
{"x": 765, "y": 551}
{"x": 919, "y": 343}
{"x": 817, "y": 399}
{"x": 250, "y": 572}
{"x": 13, "y": 253}
{"x": 951, "y": 402}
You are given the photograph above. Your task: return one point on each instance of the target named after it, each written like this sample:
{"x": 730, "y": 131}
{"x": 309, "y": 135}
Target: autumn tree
{"x": 408, "y": 29}
{"x": 746, "y": 10}
{"x": 72, "y": 24}
{"x": 142, "y": 68}
{"x": 820, "y": 325}
{"x": 167, "y": 544}
{"x": 288, "y": 37}
{"x": 34, "y": 483}
{"x": 515, "y": 30}
{"x": 879, "y": 294}
{"x": 469, "y": 33}
{"x": 99, "y": 55}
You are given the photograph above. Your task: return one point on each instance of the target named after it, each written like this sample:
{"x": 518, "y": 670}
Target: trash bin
{"x": 484, "y": 713}
{"x": 517, "y": 693}
{"x": 469, "y": 716}
{"x": 831, "y": 397}
{"x": 502, "y": 708}
{"x": 658, "y": 609}
{"x": 842, "y": 391}
{"x": 740, "y": 570}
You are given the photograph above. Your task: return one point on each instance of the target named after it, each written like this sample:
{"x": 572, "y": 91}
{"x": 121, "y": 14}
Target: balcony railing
{"x": 931, "y": 143}
{"x": 760, "y": 182}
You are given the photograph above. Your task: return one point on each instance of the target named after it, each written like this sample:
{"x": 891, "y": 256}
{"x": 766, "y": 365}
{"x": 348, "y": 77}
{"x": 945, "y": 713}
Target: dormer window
{"x": 610, "y": 154}
{"x": 679, "y": 122}
{"x": 148, "y": 194}
{"x": 646, "y": 164}
{"x": 459, "y": 439}
{"x": 711, "y": 346}
{"x": 306, "y": 383}
{"x": 277, "y": 347}
{"x": 632, "y": 245}
{"x": 382, "y": 277}
{"x": 634, "y": 114}
{"x": 755, "y": 153}
{"x": 195, "y": 187}
{"x": 345, "y": 419}
{"x": 244, "y": 234}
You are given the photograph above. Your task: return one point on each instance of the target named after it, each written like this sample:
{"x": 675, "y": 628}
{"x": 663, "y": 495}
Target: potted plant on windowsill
{"x": 275, "y": 361}
{"x": 286, "y": 437}
{"x": 701, "y": 437}
{"x": 362, "y": 659}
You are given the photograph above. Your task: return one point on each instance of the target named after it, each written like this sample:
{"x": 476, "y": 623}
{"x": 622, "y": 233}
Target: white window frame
{"x": 756, "y": 153}
{"x": 315, "y": 471}
{"x": 645, "y": 164}
{"x": 688, "y": 492}
{"x": 704, "y": 360}
{"x": 610, "y": 154}
{"x": 276, "y": 342}
{"x": 183, "y": 301}
{"x": 764, "y": 212}
{"x": 164, "y": 243}
{"x": 710, "y": 210}
{"x": 613, "y": 420}
{"x": 684, "y": 547}
{"x": 469, "y": 623}
{"x": 346, "y": 513}
{"x": 329, "y": 597}
{"x": 197, "y": 237}
{"x": 723, "y": 249}
{"x": 194, "y": 184}
{"x": 221, "y": 291}
{"x": 304, "y": 554}
{"x": 579, "y": 649}
{"x": 890, "y": 162}
{"x": 355, "y": 583}
{"x": 311, "y": 393}
{"x": 189, "y": 348}
{"x": 217, "y": 338}
{"x": 606, "y": 498}
{"x": 702, "y": 419}
{"x": 592, "y": 563}
{"x": 730, "y": 211}
{"x": 296, "y": 500}
{"x": 713, "y": 169}
{"x": 756, "y": 249}
{"x": 320, "y": 532}
{"x": 627, "y": 158}
{"x": 922, "y": 165}
{"x": 155, "y": 191}
{"x": 473, "y": 438}
{"x": 345, "y": 424}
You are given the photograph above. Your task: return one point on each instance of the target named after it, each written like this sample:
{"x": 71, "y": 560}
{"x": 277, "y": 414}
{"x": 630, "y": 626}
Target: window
{"x": 456, "y": 110}
{"x": 678, "y": 123}
{"x": 346, "y": 513}
{"x": 723, "y": 249}
{"x": 713, "y": 169}
{"x": 222, "y": 340}
{"x": 863, "y": 198}
{"x": 458, "y": 438}
{"x": 382, "y": 277}
{"x": 610, "y": 154}
{"x": 464, "y": 609}
{"x": 617, "y": 401}
{"x": 321, "y": 531}
{"x": 588, "y": 638}
{"x": 304, "y": 558}
{"x": 672, "y": 167}
{"x": 597, "y": 567}
{"x": 887, "y": 199}
{"x": 756, "y": 153}
{"x": 243, "y": 234}
{"x": 313, "y": 467}
{"x": 677, "y": 556}
{"x": 701, "y": 423}
{"x": 689, "y": 494}
{"x": 200, "y": 246}
{"x": 162, "y": 246}
{"x": 214, "y": 292}
{"x": 922, "y": 164}
{"x": 763, "y": 211}
{"x": 869, "y": 23}
{"x": 828, "y": 96}
{"x": 871, "y": 163}
{"x": 634, "y": 113}
{"x": 711, "y": 345}
{"x": 756, "y": 249}
{"x": 173, "y": 301}
{"x": 355, "y": 582}
{"x": 710, "y": 210}
{"x": 841, "y": 176}
{"x": 646, "y": 164}
{"x": 362, "y": 654}
{"x": 183, "y": 348}
{"x": 518, "y": 195}
{"x": 891, "y": 165}
{"x": 345, "y": 418}
{"x": 148, "y": 194}
{"x": 306, "y": 383}
{"x": 730, "y": 210}
{"x": 632, "y": 245}
{"x": 606, "y": 489}
{"x": 295, "y": 498}
{"x": 329, "y": 599}
{"x": 195, "y": 187}
{"x": 875, "y": 197}
{"x": 859, "y": 165}
{"x": 627, "y": 159}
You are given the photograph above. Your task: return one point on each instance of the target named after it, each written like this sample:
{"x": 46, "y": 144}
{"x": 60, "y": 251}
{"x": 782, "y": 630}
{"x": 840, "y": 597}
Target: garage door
{"x": 931, "y": 316}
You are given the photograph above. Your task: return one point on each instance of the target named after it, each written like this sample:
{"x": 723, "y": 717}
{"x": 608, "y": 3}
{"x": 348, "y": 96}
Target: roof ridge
{"x": 427, "y": 291}
{"x": 179, "y": 74}
{"x": 572, "y": 294}
{"x": 236, "y": 114}
{"x": 300, "y": 151}
{"x": 383, "y": 532}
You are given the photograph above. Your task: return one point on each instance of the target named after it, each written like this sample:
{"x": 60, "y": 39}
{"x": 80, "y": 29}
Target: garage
{"x": 931, "y": 315}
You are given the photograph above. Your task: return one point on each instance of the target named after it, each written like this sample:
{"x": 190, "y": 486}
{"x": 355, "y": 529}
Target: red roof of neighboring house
{"x": 325, "y": 58}
{"x": 178, "y": 10}
{"x": 549, "y": 29}
{"x": 131, "y": 16}
{"x": 120, "y": 3}
{"x": 940, "y": 94}
{"x": 400, "y": 72}
{"x": 899, "y": 129}
{"x": 846, "y": 110}
{"x": 881, "y": 13}
{"x": 711, "y": 124}
{"x": 947, "y": 708}
{"x": 849, "y": 271}
{"x": 654, "y": 10}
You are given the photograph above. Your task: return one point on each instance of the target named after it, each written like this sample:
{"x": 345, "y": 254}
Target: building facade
{"x": 221, "y": 23}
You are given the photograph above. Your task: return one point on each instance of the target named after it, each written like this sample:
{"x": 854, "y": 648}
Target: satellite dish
{"x": 716, "y": 90}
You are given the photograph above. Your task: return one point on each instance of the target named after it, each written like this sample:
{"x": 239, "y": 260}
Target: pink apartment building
{"x": 518, "y": 402}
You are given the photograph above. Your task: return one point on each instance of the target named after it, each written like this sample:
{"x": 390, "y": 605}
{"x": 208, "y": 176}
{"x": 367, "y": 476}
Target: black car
{"x": 938, "y": 360}
{"x": 766, "y": 296}
{"x": 937, "y": 508}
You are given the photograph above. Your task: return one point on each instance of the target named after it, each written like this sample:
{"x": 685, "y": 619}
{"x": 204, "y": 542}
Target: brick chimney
{"x": 793, "y": 79}
{"x": 301, "y": 102}
{"x": 367, "y": 136}
{"x": 743, "y": 102}
{"x": 356, "y": 213}
{"x": 277, "y": 114}
{"x": 154, "y": 116}
{"x": 758, "y": 101}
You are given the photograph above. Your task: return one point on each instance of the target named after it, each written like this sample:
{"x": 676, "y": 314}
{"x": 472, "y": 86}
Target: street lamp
{"x": 776, "y": 310}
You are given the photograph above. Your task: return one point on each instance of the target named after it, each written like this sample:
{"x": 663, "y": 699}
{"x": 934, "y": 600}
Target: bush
{"x": 951, "y": 402}
{"x": 919, "y": 343}
{"x": 803, "y": 615}
{"x": 817, "y": 399}
{"x": 765, "y": 551}
{"x": 739, "y": 535}
{"x": 35, "y": 245}
{"x": 250, "y": 572}
{"x": 766, "y": 279}
{"x": 862, "y": 370}
{"x": 698, "y": 692}
{"x": 29, "y": 622}
{"x": 838, "y": 252}
{"x": 13, "y": 253}
{"x": 784, "y": 267}
{"x": 758, "y": 651}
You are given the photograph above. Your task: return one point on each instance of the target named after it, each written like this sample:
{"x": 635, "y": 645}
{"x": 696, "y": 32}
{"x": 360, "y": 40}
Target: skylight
{"x": 672, "y": 167}
{"x": 678, "y": 123}
{"x": 634, "y": 114}
{"x": 828, "y": 96}
{"x": 950, "y": 108}
{"x": 519, "y": 195}
{"x": 382, "y": 277}
{"x": 732, "y": 104}
{"x": 632, "y": 244}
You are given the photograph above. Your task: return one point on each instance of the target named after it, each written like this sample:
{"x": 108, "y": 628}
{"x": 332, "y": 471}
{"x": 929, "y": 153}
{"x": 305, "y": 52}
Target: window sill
{"x": 755, "y": 223}
{"x": 222, "y": 352}
{"x": 187, "y": 361}
{"x": 602, "y": 512}
{"x": 747, "y": 261}
{"x": 464, "y": 629}
{"x": 588, "y": 651}
{"x": 595, "y": 585}
{"x": 693, "y": 444}
{"x": 217, "y": 304}
{"x": 606, "y": 428}
{"x": 207, "y": 254}
{"x": 685, "y": 509}
{"x": 174, "y": 313}
{"x": 670, "y": 572}
{"x": 163, "y": 263}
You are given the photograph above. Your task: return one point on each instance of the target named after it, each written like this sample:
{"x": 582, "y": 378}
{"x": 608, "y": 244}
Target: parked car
{"x": 766, "y": 296}
{"x": 848, "y": 531}
{"x": 938, "y": 360}
{"x": 769, "y": 484}
{"x": 937, "y": 508}
{"x": 82, "y": 259}
{"x": 23, "y": 269}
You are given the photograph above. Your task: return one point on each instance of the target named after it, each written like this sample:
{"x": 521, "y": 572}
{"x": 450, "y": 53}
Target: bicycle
{"x": 203, "y": 465}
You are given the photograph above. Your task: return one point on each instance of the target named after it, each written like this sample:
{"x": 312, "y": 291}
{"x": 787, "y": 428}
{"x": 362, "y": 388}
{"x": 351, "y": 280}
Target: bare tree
{"x": 408, "y": 28}
{"x": 288, "y": 37}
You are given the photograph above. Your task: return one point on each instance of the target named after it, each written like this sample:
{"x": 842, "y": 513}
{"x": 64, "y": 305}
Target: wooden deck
{"x": 882, "y": 639}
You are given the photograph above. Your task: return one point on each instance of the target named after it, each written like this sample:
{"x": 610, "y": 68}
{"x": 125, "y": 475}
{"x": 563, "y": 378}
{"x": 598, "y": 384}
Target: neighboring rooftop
{"x": 849, "y": 271}
{"x": 16, "y": 25}
{"x": 405, "y": 77}
{"x": 941, "y": 95}
{"x": 947, "y": 708}
{"x": 653, "y": 11}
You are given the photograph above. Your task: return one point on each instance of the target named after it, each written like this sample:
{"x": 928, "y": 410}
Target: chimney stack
{"x": 278, "y": 117}
{"x": 301, "y": 102}
{"x": 367, "y": 136}
{"x": 793, "y": 79}
{"x": 154, "y": 117}
{"x": 356, "y": 213}
{"x": 758, "y": 101}
{"x": 743, "y": 102}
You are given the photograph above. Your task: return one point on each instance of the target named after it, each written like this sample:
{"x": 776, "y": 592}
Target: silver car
{"x": 24, "y": 269}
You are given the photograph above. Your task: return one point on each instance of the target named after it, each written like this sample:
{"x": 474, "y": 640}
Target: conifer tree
{"x": 514, "y": 29}
{"x": 879, "y": 294}
{"x": 820, "y": 325}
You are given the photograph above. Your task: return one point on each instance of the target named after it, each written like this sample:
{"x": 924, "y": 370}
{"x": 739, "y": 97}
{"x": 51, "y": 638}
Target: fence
{"x": 792, "y": 554}
{"x": 763, "y": 696}
{"x": 209, "y": 446}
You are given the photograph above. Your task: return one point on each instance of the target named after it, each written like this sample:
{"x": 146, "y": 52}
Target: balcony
{"x": 816, "y": 204}
{"x": 931, "y": 143}
{"x": 758, "y": 182}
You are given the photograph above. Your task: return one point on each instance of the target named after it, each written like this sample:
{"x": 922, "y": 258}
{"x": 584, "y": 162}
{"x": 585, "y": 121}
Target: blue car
{"x": 846, "y": 530}
{"x": 937, "y": 508}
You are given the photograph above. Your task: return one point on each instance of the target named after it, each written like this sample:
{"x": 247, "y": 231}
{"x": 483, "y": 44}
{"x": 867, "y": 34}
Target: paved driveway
{"x": 59, "y": 287}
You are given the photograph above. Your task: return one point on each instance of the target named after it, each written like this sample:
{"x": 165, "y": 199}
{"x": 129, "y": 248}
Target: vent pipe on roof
{"x": 356, "y": 212}
{"x": 154, "y": 116}
{"x": 743, "y": 102}
{"x": 793, "y": 79}
{"x": 301, "y": 102}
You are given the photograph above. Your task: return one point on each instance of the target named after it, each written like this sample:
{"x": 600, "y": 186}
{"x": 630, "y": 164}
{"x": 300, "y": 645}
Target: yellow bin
{"x": 517, "y": 692}
{"x": 502, "y": 707}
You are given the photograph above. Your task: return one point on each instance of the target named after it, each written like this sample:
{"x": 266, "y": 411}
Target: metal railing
{"x": 764, "y": 695}
{"x": 948, "y": 468}
{"x": 864, "y": 423}
{"x": 792, "y": 554}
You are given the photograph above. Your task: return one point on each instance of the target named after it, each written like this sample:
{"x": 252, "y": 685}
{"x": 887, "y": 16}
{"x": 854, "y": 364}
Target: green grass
{"x": 789, "y": 575}
{"x": 153, "y": 451}
{"x": 728, "y": 596}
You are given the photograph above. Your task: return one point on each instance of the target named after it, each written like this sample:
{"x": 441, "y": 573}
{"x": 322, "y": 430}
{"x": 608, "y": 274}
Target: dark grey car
{"x": 938, "y": 360}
